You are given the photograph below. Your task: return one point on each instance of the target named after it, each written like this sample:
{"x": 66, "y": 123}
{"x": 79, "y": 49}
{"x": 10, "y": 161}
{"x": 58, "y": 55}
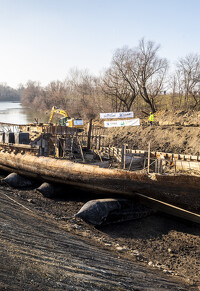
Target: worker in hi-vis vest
{"x": 151, "y": 118}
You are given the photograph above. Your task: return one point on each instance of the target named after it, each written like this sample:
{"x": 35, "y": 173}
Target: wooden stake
{"x": 81, "y": 152}
{"x": 124, "y": 156}
{"x": 89, "y": 134}
{"x": 131, "y": 162}
{"x": 149, "y": 153}
{"x": 98, "y": 153}
{"x": 156, "y": 166}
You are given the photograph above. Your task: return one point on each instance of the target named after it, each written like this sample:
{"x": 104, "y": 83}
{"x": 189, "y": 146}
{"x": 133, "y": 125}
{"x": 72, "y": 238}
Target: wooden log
{"x": 184, "y": 189}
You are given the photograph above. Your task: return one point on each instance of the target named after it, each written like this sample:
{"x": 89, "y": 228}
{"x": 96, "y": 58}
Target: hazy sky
{"x": 41, "y": 40}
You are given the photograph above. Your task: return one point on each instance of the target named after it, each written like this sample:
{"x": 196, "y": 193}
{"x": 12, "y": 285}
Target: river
{"x": 14, "y": 112}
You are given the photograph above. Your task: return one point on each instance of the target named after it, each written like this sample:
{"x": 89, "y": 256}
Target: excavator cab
{"x": 65, "y": 121}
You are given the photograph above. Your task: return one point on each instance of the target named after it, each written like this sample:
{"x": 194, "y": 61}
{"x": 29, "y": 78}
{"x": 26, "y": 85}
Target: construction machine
{"x": 66, "y": 120}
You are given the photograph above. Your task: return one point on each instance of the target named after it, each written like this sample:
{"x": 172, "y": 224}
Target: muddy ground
{"x": 44, "y": 247}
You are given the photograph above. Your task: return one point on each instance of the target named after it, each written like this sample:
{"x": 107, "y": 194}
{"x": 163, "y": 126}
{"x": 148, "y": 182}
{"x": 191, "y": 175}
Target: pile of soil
{"x": 177, "y": 132}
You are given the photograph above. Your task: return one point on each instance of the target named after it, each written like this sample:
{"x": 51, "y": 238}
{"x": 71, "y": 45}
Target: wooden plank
{"x": 168, "y": 208}
{"x": 187, "y": 165}
{"x": 158, "y": 154}
{"x": 194, "y": 158}
{"x": 186, "y": 157}
{"x": 176, "y": 156}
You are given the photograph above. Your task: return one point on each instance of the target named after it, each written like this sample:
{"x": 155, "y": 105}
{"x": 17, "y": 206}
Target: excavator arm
{"x": 59, "y": 111}
{"x": 71, "y": 122}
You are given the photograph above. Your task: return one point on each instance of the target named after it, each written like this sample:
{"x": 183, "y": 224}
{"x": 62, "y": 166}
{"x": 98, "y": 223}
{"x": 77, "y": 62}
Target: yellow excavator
{"x": 66, "y": 120}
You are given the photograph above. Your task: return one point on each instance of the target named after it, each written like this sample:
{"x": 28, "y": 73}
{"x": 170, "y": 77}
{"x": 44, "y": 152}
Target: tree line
{"x": 137, "y": 78}
{"x": 9, "y": 94}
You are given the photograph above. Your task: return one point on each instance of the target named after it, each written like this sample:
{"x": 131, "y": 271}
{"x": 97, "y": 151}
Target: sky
{"x": 42, "y": 40}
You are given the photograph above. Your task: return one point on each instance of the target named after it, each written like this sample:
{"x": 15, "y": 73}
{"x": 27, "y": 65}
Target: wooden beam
{"x": 168, "y": 208}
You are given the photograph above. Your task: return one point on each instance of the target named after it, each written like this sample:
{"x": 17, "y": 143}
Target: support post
{"x": 124, "y": 156}
{"x": 99, "y": 142}
{"x": 175, "y": 166}
{"x": 81, "y": 151}
{"x": 149, "y": 153}
{"x": 161, "y": 166}
{"x": 89, "y": 130}
{"x": 156, "y": 165}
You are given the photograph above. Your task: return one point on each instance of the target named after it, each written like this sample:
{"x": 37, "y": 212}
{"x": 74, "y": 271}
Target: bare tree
{"x": 85, "y": 94}
{"x": 8, "y": 94}
{"x": 31, "y": 91}
{"x": 136, "y": 71}
{"x": 149, "y": 71}
{"x": 118, "y": 84}
{"x": 189, "y": 69}
{"x": 175, "y": 85}
{"x": 56, "y": 94}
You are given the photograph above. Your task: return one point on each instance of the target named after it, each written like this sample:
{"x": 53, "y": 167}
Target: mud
{"x": 44, "y": 247}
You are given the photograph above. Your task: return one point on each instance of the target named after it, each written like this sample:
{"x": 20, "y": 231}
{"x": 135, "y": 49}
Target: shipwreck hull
{"x": 179, "y": 190}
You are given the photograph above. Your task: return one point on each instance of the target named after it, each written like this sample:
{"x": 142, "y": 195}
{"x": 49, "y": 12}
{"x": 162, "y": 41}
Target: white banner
{"x": 120, "y": 123}
{"x": 78, "y": 122}
{"x": 116, "y": 115}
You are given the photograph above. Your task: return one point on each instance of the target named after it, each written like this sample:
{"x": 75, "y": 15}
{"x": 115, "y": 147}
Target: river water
{"x": 14, "y": 112}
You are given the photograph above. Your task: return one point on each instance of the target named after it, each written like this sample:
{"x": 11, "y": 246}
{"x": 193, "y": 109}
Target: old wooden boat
{"x": 181, "y": 190}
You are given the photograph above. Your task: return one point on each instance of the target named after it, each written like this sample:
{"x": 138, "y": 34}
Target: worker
{"x": 151, "y": 118}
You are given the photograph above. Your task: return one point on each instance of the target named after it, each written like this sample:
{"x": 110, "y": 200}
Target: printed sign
{"x": 116, "y": 115}
{"x": 78, "y": 122}
{"x": 120, "y": 123}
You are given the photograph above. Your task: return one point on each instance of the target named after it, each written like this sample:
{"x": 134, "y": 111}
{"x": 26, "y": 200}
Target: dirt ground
{"x": 163, "y": 246}
{"x": 44, "y": 247}
{"x": 171, "y": 132}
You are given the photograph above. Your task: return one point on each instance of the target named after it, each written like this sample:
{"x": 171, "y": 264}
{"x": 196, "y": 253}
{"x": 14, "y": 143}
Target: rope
{"x": 18, "y": 203}
{"x": 60, "y": 218}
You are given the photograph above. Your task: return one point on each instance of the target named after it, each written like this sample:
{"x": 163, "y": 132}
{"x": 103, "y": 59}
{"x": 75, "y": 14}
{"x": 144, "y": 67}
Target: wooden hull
{"x": 180, "y": 190}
